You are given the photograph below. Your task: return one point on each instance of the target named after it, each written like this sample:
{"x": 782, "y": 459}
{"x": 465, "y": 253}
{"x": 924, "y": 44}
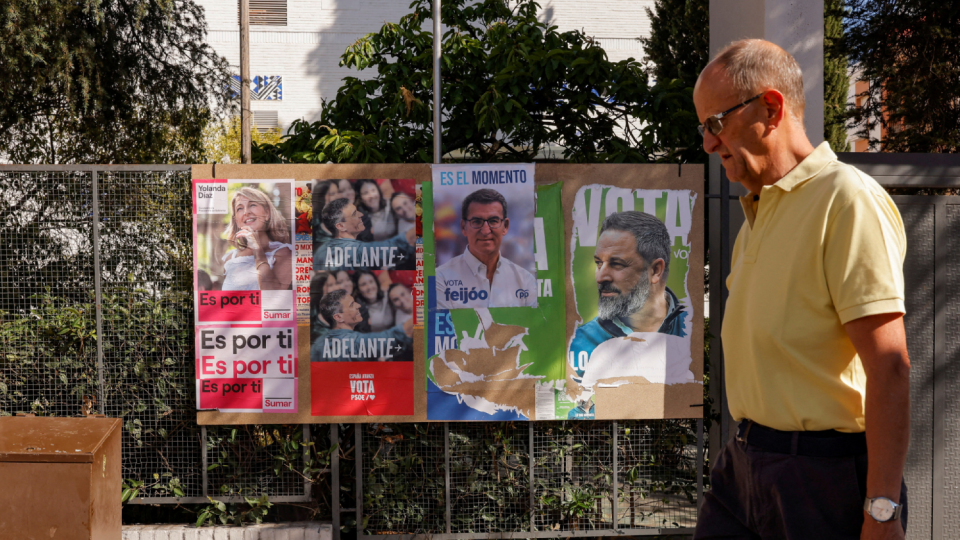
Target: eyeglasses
{"x": 713, "y": 124}
{"x": 477, "y": 223}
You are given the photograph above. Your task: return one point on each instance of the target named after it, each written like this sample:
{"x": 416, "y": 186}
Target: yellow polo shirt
{"x": 820, "y": 248}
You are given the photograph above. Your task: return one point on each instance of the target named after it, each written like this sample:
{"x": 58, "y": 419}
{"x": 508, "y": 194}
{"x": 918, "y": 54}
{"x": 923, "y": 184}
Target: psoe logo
{"x": 522, "y": 293}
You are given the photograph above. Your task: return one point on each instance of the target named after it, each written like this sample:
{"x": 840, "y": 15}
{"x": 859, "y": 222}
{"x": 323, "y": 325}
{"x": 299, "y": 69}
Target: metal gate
{"x": 932, "y": 282}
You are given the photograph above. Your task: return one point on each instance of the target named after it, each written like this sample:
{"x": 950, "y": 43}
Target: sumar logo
{"x": 522, "y": 293}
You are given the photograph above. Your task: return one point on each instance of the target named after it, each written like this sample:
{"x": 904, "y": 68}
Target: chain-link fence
{"x": 98, "y": 319}
{"x": 590, "y": 478}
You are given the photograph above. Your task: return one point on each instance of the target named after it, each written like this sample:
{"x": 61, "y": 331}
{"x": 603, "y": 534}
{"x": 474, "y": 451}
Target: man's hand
{"x": 881, "y": 342}
{"x": 412, "y": 236}
{"x": 408, "y": 327}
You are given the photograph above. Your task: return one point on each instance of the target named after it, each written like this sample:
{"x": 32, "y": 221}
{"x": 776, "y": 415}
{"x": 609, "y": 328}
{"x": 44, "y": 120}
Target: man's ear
{"x": 656, "y": 271}
{"x": 506, "y": 225}
{"x": 463, "y": 227}
{"x": 775, "y": 106}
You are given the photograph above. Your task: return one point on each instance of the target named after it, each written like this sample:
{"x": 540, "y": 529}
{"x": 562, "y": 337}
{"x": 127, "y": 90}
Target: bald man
{"x": 816, "y": 365}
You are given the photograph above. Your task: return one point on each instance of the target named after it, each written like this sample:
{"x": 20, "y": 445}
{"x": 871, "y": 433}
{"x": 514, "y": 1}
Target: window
{"x": 266, "y": 12}
{"x": 265, "y": 120}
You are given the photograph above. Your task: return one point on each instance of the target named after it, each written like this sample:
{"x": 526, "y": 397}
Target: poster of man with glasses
{"x": 484, "y": 232}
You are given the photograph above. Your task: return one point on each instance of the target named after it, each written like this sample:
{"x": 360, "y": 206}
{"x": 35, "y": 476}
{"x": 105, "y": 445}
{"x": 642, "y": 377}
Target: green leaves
{"x": 512, "y": 85}
{"x": 907, "y": 51}
{"x": 96, "y": 77}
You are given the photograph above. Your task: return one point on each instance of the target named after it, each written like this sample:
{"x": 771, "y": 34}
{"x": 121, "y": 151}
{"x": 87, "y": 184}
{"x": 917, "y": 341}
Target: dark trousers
{"x": 761, "y": 494}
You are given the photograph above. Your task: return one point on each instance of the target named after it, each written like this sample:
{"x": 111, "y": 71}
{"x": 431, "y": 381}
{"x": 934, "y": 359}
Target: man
{"x": 635, "y": 304}
{"x": 345, "y": 252}
{"x": 816, "y": 364}
{"x": 342, "y": 343}
{"x": 633, "y": 262}
{"x": 481, "y": 277}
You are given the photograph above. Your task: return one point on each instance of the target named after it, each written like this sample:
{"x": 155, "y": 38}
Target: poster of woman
{"x": 250, "y": 245}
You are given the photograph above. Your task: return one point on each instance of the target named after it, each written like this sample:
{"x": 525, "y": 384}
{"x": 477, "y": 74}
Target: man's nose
{"x": 710, "y": 142}
{"x": 603, "y": 275}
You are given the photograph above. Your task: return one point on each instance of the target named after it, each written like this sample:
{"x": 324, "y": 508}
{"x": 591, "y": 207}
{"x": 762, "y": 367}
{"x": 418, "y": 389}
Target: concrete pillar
{"x": 797, "y": 26}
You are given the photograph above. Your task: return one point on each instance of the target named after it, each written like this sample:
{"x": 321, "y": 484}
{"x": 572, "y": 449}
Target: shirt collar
{"x": 808, "y": 168}
{"x": 475, "y": 265}
{"x": 805, "y": 170}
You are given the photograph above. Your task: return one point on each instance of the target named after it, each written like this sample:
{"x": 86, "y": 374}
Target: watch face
{"x": 881, "y": 509}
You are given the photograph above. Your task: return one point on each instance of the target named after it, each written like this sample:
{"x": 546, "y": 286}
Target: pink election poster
{"x": 245, "y": 298}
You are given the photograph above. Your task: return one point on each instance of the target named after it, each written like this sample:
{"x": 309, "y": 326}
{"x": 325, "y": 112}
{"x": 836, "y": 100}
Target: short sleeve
{"x": 863, "y": 257}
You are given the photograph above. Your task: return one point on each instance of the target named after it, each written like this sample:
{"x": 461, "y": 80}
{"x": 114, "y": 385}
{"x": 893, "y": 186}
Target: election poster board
{"x": 245, "y": 297}
{"x": 630, "y": 324}
{"x": 518, "y": 363}
{"x": 305, "y": 177}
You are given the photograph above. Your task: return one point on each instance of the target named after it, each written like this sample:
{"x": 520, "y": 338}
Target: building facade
{"x": 295, "y": 45}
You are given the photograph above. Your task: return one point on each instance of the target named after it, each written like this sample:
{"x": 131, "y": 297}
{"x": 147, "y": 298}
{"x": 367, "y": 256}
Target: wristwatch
{"x": 882, "y": 509}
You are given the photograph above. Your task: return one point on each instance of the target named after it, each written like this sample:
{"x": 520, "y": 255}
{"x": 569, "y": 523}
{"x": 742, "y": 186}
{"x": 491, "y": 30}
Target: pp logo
{"x": 522, "y": 293}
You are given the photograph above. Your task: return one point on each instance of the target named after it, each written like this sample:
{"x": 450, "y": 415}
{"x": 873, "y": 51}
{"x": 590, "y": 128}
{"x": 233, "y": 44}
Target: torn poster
{"x": 501, "y": 363}
{"x": 630, "y": 354}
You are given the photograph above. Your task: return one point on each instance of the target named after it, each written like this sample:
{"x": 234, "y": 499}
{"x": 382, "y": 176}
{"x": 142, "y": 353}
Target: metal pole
{"x": 205, "y": 460}
{"x": 437, "y": 39}
{"x": 245, "y": 142}
{"x": 307, "y": 485}
{"x": 699, "y": 463}
{"x": 941, "y": 245}
{"x": 98, "y": 291}
{"x": 358, "y": 456}
{"x": 616, "y": 466}
{"x": 533, "y": 493}
{"x": 446, "y": 473}
{"x": 335, "y": 481}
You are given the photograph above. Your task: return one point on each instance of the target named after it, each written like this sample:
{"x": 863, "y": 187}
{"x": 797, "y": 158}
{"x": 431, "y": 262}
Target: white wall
{"x": 307, "y": 51}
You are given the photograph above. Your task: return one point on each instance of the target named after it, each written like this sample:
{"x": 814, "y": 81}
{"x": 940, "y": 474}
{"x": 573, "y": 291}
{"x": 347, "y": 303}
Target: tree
{"x": 112, "y": 81}
{"x": 909, "y": 53}
{"x": 836, "y": 82}
{"x": 222, "y": 139}
{"x": 679, "y": 42}
{"x": 511, "y": 86}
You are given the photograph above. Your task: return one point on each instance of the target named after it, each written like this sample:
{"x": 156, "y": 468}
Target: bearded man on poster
{"x": 635, "y": 304}
{"x": 816, "y": 364}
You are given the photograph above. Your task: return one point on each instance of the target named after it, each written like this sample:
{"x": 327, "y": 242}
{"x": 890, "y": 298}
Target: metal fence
{"x": 932, "y": 286}
{"x": 527, "y": 480}
{"x": 96, "y": 317}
